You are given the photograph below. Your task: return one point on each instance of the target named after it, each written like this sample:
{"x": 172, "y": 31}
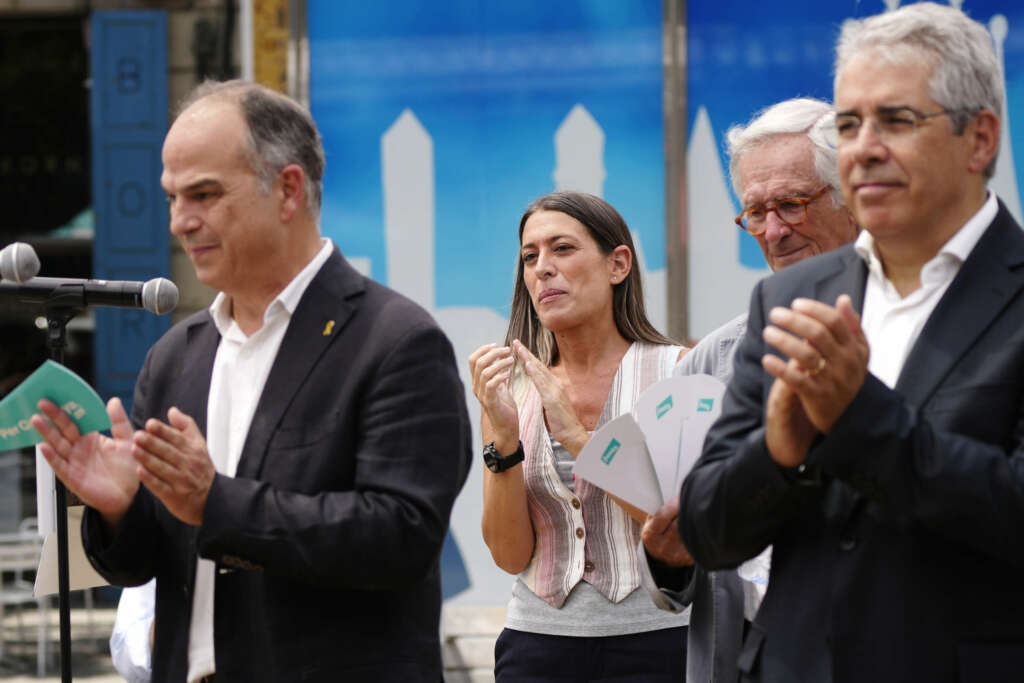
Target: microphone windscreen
{"x": 18, "y": 262}
{"x": 159, "y": 296}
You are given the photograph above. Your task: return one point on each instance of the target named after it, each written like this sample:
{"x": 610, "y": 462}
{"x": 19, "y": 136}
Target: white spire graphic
{"x": 1004, "y": 183}
{"x": 579, "y": 166}
{"x": 579, "y": 153}
{"x": 956, "y": 4}
{"x": 890, "y": 5}
{"x": 407, "y": 170}
{"x": 718, "y": 285}
{"x": 407, "y": 173}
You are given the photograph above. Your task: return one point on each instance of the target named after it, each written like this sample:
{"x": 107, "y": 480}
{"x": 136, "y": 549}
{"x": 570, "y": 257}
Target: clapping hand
{"x": 175, "y": 465}
{"x": 828, "y": 360}
{"x": 561, "y": 419}
{"x": 98, "y": 469}
{"x": 490, "y": 367}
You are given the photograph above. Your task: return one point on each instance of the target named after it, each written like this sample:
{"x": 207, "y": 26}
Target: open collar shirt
{"x": 240, "y": 371}
{"x": 893, "y": 323}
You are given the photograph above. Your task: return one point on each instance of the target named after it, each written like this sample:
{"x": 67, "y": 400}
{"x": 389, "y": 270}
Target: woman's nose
{"x": 544, "y": 265}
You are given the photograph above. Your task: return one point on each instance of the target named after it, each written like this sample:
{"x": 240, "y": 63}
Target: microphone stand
{"x": 57, "y": 316}
{"x": 62, "y": 304}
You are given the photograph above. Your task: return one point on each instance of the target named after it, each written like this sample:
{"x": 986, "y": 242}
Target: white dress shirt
{"x": 892, "y": 323}
{"x": 133, "y": 624}
{"x": 240, "y": 371}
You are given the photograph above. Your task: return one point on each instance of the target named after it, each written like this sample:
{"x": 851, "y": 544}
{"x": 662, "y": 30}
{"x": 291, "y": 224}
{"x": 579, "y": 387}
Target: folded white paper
{"x": 642, "y": 457}
{"x": 616, "y": 459}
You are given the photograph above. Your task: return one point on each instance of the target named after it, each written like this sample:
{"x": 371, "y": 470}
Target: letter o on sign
{"x": 130, "y": 199}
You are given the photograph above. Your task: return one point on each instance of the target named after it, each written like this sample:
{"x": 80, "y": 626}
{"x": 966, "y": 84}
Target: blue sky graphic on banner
{"x": 490, "y": 83}
{"x": 443, "y": 120}
{"x": 776, "y": 51}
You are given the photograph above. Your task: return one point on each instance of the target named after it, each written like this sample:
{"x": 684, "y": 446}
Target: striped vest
{"x": 585, "y": 535}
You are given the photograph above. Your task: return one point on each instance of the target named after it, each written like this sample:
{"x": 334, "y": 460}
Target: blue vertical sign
{"x": 128, "y": 63}
{"x": 443, "y": 121}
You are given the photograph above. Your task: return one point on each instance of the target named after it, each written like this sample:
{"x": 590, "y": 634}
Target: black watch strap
{"x": 496, "y": 462}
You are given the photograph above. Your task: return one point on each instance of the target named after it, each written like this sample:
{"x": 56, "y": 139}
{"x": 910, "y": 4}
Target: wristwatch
{"x": 496, "y": 462}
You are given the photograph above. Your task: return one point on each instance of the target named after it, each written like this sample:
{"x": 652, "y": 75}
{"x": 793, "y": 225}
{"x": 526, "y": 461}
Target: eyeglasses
{"x": 790, "y": 210}
{"x": 889, "y": 123}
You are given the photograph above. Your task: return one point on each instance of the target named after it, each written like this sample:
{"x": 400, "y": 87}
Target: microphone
{"x": 156, "y": 296}
{"x": 18, "y": 262}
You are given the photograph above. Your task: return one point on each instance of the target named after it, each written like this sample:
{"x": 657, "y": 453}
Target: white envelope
{"x": 664, "y": 412}
{"x": 616, "y": 459}
{"x": 660, "y": 414}
{"x": 699, "y": 395}
{"x": 691, "y": 443}
{"x": 653, "y": 448}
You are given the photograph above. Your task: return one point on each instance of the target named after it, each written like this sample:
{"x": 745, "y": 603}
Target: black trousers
{"x": 651, "y": 657}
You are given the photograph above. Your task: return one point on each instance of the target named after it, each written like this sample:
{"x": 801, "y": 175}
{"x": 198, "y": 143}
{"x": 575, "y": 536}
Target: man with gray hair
{"x": 783, "y": 168}
{"x": 873, "y": 431}
{"x": 294, "y": 451}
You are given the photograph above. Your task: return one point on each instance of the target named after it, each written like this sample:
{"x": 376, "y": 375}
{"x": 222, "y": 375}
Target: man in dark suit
{"x": 874, "y": 429}
{"x": 299, "y": 445}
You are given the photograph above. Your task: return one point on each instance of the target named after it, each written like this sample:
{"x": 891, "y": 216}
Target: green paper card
{"x": 55, "y": 382}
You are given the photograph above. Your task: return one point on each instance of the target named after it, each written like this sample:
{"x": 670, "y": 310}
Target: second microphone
{"x": 157, "y": 296}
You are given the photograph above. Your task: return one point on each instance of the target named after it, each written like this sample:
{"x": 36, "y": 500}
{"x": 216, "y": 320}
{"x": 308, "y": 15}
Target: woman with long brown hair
{"x": 578, "y": 352}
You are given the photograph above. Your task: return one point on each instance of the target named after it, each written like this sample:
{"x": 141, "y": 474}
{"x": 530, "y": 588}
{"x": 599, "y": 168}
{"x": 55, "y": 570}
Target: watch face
{"x": 497, "y": 463}
{"x": 491, "y": 458}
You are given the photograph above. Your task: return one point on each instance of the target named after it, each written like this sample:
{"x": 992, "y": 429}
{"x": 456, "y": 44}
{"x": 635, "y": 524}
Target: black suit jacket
{"x": 899, "y": 552}
{"x": 327, "y": 540}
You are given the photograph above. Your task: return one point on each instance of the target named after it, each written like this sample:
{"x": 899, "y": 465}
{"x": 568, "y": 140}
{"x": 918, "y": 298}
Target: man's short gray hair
{"x": 814, "y": 118}
{"x": 281, "y": 132}
{"x": 966, "y": 76}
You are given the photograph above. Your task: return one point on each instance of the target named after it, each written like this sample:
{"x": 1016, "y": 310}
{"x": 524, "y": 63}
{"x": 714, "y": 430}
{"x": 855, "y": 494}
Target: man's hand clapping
{"x": 828, "y": 361}
{"x": 98, "y": 469}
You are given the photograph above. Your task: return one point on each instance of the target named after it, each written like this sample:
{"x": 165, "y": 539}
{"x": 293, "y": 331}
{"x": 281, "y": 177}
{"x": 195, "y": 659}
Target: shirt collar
{"x": 288, "y": 298}
{"x": 959, "y": 246}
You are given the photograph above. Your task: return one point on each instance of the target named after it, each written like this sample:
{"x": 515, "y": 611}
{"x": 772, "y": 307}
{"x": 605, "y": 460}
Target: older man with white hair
{"x": 783, "y": 168}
